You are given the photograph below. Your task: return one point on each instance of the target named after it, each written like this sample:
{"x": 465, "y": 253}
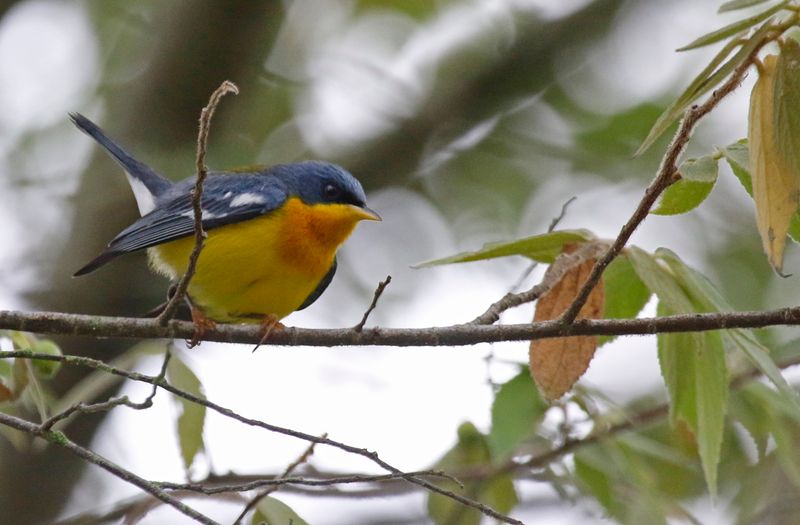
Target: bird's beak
{"x": 365, "y": 214}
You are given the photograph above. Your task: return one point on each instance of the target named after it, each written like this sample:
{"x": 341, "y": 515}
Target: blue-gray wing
{"x": 227, "y": 199}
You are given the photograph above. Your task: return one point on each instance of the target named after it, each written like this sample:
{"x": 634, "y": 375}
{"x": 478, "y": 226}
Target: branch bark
{"x": 455, "y": 335}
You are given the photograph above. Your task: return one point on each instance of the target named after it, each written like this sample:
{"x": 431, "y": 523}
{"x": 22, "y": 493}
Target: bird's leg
{"x": 269, "y": 323}
{"x": 201, "y": 325}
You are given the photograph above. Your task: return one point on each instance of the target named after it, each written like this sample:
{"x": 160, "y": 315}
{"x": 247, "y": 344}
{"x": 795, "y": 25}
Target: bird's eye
{"x": 331, "y": 192}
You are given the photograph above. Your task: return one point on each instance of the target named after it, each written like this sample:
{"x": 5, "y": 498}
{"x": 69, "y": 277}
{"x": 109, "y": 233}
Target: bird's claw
{"x": 268, "y": 324}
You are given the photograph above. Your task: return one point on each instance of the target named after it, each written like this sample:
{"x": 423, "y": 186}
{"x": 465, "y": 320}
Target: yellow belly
{"x": 263, "y": 266}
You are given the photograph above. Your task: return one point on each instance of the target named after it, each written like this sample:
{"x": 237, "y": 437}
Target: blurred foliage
{"x": 475, "y": 107}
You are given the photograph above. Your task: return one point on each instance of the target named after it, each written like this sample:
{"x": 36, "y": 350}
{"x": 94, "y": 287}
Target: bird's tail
{"x": 145, "y": 182}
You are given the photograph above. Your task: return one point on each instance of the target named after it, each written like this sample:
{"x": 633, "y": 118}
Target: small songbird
{"x": 272, "y": 234}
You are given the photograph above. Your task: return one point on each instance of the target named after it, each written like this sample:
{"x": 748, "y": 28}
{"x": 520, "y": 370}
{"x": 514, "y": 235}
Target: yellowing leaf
{"x": 556, "y": 364}
{"x": 776, "y": 190}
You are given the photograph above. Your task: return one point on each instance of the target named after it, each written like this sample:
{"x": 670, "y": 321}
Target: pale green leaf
{"x": 46, "y": 369}
{"x": 707, "y": 80}
{"x": 695, "y": 373}
{"x": 677, "y": 360}
{"x": 5, "y": 371}
{"x": 733, "y": 5}
{"x": 272, "y": 511}
{"x": 702, "y": 169}
{"x": 682, "y": 196}
{"x": 659, "y": 280}
{"x": 498, "y": 492}
{"x": 542, "y": 248}
{"x": 750, "y": 412}
{"x": 733, "y": 29}
{"x": 738, "y": 157}
{"x": 516, "y": 411}
{"x": 711, "y": 376}
{"x": 625, "y": 293}
{"x": 647, "y": 446}
{"x": 708, "y": 299}
{"x": 192, "y": 418}
{"x": 592, "y": 470}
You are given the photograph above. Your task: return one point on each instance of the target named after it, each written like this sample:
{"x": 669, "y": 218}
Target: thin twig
{"x": 378, "y": 292}
{"x": 197, "y": 196}
{"x": 212, "y": 487}
{"x": 104, "y": 406}
{"x": 666, "y": 175}
{"x": 270, "y": 489}
{"x": 60, "y": 439}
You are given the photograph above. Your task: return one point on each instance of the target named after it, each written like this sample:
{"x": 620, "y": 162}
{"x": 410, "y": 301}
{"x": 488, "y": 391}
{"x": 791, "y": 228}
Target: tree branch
{"x": 455, "y": 335}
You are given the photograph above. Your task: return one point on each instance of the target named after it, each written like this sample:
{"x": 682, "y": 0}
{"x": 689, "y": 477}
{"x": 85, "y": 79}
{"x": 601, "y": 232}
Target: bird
{"x": 272, "y": 233}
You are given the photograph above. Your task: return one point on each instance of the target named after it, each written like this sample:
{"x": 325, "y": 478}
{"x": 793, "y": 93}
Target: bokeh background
{"x": 467, "y": 121}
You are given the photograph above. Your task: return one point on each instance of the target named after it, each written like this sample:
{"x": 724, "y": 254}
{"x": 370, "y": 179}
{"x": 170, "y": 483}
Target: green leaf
{"x": 659, "y": 280}
{"x": 703, "y": 169}
{"x": 694, "y": 370}
{"x": 698, "y": 179}
{"x": 271, "y": 511}
{"x": 498, "y": 492}
{"x": 516, "y": 411}
{"x": 592, "y": 470}
{"x": 46, "y": 369}
{"x": 677, "y": 359}
{"x": 733, "y": 5}
{"x": 693, "y": 364}
{"x": 6, "y": 373}
{"x": 711, "y": 375}
{"x": 625, "y": 293}
{"x": 749, "y": 411}
{"x": 733, "y": 29}
{"x": 738, "y": 157}
{"x": 708, "y": 299}
{"x": 192, "y": 418}
{"x": 707, "y": 80}
{"x": 541, "y": 248}
{"x": 682, "y": 196}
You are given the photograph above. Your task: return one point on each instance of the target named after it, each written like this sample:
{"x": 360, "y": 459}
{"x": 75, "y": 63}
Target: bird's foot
{"x": 201, "y": 325}
{"x": 269, "y": 323}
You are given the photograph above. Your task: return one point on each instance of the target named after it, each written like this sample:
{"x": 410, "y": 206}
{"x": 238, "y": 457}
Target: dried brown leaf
{"x": 556, "y": 364}
{"x": 776, "y": 187}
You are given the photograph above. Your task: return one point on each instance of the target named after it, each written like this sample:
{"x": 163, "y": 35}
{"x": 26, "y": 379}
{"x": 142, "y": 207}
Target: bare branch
{"x": 378, "y": 292}
{"x": 197, "y": 196}
{"x": 456, "y": 335}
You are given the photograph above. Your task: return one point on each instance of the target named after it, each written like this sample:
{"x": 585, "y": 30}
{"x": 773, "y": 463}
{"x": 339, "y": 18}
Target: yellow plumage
{"x": 263, "y": 266}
